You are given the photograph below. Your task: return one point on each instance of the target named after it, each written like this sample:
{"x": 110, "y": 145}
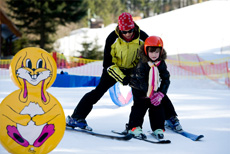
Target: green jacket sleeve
{"x": 116, "y": 73}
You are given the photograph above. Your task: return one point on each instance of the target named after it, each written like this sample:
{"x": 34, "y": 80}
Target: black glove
{"x": 126, "y": 80}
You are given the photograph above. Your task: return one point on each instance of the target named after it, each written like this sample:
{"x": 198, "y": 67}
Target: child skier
{"x": 151, "y": 70}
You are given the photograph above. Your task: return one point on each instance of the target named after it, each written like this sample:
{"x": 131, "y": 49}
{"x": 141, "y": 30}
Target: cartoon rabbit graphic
{"x": 32, "y": 120}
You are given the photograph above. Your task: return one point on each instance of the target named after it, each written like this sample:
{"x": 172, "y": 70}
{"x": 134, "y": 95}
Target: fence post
{"x": 55, "y": 56}
{"x": 202, "y": 69}
{"x": 227, "y": 80}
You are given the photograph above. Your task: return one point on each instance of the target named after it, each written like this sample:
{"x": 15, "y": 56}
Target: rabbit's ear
{"x": 23, "y": 96}
{"x": 44, "y": 94}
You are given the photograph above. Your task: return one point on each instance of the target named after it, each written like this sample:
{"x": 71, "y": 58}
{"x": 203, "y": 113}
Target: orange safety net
{"x": 179, "y": 66}
{"x": 191, "y": 65}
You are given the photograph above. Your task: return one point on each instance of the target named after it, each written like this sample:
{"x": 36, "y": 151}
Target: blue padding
{"x": 65, "y": 80}
{"x": 117, "y": 97}
{"x": 113, "y": 94}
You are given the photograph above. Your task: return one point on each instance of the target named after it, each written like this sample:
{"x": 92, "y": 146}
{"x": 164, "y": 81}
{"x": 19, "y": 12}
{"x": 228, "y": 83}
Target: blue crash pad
{"x": 65, "y": 80}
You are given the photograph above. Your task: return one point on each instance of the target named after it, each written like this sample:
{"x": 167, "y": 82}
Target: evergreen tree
{"x": 91, "y": 51}
{"x": 108, "y": 10}
{"x": 38, "y": 19}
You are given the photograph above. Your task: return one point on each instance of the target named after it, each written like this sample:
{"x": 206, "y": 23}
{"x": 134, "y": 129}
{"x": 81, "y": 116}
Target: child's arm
{"x": 164, "y": 76}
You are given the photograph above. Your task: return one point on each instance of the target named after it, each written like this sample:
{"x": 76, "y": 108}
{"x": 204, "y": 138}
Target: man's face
{"x": 127, "y": 33}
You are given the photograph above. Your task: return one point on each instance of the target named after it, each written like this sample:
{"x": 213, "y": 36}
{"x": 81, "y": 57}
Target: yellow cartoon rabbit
{"x": 31, "y": 120}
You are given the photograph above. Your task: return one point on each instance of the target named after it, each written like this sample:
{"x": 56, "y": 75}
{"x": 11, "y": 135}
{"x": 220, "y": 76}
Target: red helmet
{"x": 154, "y": 41}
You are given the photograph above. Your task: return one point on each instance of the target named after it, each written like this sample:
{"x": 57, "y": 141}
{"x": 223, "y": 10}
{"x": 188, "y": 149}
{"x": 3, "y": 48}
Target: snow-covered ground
{"x": 202, "y": 105}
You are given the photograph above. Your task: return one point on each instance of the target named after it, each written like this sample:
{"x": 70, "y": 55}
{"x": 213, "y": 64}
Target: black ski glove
{"x": 126, "y": 80}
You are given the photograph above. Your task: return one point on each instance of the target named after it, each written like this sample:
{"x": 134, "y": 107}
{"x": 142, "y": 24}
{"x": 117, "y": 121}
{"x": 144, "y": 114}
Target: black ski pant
{"x": 89, "y": 99}
{"x": 157, "y": 114}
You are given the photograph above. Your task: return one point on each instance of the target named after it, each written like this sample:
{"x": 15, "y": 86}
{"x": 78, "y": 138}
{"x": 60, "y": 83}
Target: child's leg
{"x": 138, "y": 109}
{"x": 156, "y": 117}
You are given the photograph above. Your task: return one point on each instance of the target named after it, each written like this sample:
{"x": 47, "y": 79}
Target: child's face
{"x": 154, "y": 53}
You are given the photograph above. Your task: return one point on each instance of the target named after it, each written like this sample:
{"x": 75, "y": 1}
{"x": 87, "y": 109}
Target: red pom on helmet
{"x": 154, "y": 41}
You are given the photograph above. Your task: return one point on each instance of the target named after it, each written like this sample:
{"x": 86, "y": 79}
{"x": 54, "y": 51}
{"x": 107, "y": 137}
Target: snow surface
{"x": 203, "y": 107}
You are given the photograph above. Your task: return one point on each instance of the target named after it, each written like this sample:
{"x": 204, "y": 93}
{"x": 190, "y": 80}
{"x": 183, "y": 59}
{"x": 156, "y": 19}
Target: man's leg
{"x": 168, "y": 107}
{"x": 86, "y": 103}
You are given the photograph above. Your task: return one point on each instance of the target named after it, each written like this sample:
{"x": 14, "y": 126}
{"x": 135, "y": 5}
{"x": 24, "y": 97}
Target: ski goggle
{"x": 125, "y": 32}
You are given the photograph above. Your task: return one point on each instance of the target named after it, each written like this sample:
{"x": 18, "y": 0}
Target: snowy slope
{"x": 202, "y": 105}
{"x": 193, "y": 29}
{"x": 197, "y": 28}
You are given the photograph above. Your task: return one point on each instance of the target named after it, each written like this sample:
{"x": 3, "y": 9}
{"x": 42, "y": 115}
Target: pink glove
{"x": 156, "y": 98}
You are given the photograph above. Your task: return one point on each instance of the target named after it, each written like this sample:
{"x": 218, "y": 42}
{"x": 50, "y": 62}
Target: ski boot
{"x": 125, "y": 132}
{"x": 137, "y": 132}
{"x": 80, "y": 123}
{"x": 174, "y": 124}
{"x": 158, "y": 133}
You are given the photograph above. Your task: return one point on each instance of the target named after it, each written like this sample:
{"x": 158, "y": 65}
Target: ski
{"x": 146, "y": 140}
{"x": 151, "y": 133}
{"x": 124, "y": 138}
{"x": 191, "y": 136}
